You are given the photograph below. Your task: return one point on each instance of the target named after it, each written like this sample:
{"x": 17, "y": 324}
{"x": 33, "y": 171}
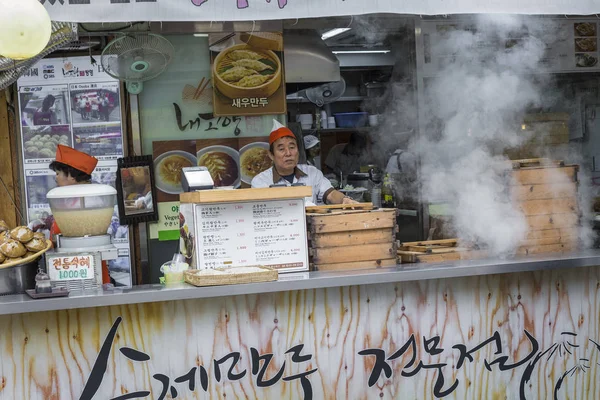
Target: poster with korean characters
{"x": 71, "y": 102}
{"x": 247, "y": 73}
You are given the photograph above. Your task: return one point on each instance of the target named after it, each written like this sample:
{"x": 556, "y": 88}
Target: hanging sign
{"x": 245, "y": 10}
{"x": 247, "y": 73}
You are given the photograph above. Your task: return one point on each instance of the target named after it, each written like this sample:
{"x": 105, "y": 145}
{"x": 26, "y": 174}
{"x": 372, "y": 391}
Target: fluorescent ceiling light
{"x": 334, "y": 32}
{"x": 201, "y": 34}
{"x": 361, "y": 51}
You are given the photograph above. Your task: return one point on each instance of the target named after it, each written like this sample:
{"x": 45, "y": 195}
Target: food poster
{"x": 234, "y": 162}
{"x": 571, "y": 44}
{"x": 254, "y": 158}
{"x": 247, "y": 73}
{"x": 222, "y": 159}
{"x": 170, "y": 157}
{"x": 71, "y": 102}
{"x": 586, "y": 44}
{"x": 178, "y": 104}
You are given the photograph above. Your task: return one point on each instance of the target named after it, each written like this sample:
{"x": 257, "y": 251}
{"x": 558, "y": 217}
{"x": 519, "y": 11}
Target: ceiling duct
{"x": 308, "y": 59}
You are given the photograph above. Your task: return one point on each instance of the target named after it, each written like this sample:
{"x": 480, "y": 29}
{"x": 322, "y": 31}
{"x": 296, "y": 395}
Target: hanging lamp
{"x": 25, "y": 28}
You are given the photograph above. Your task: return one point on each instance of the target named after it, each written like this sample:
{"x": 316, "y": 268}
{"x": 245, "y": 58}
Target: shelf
{"x": 336, "y": 130}
{"x": 341, "y": 99}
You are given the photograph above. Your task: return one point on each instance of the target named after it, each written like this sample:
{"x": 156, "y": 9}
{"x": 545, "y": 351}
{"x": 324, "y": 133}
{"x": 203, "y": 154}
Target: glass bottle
{"x": 42, "y": 282}
{"x": 387, "y": 193}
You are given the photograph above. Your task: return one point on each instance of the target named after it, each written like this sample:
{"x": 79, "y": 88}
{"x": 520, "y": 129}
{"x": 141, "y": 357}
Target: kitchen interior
{"x": 380, "y": 93}
{"x": 369, "y": 75}
{"x": 341, "y": 76}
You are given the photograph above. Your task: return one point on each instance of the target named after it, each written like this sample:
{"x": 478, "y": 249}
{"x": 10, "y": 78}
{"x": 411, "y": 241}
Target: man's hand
{"x": 348, "y": 200}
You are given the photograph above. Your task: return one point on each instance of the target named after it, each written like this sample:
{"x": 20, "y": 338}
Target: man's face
{"x": 64, "y": 180}
{"x": 285, "y": 154}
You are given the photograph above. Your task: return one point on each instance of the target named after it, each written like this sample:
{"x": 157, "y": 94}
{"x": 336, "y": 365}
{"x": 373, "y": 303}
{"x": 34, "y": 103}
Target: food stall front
{"x": 518, "y": 326}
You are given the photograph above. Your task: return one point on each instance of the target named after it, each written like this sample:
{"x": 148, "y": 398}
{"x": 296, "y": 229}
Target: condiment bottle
{"x": 387, "y": 193}
{"x": 42, "y": 282}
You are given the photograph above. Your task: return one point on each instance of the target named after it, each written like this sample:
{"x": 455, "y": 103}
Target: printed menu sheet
{"x": 570, "y": 45}
{"x": 271, "y": 233}
{"x": 71, "y": 102}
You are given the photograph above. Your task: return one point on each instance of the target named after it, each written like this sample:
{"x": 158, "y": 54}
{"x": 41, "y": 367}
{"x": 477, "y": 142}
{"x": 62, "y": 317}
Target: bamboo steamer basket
{"x": 267, "y": 89}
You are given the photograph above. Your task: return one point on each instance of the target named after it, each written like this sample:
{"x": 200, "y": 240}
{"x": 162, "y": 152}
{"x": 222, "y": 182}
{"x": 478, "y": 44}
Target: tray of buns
{"x": 21, "y": 245}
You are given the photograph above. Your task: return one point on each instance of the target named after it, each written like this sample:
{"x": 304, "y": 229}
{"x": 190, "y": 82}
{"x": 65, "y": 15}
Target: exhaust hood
{"x": 308, "y": 59}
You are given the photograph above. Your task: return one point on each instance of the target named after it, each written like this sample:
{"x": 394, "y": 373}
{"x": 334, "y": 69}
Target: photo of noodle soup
{"x": 167, "y": 170}
{"x": 254, "y": 159}
{"x": 222, "y": 163}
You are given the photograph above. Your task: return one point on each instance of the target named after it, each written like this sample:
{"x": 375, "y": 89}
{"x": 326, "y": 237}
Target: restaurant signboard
{"x": 245, "y": 10}
{"x": 526, "y": 336}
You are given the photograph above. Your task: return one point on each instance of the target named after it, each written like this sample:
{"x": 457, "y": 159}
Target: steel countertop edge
{"x": 19, "y": 304}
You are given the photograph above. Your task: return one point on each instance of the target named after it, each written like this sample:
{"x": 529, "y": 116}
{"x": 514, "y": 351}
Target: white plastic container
{"x": 82, "y": 210}
{"x": 324, "y": 121}
{"x": 331, "y": 123}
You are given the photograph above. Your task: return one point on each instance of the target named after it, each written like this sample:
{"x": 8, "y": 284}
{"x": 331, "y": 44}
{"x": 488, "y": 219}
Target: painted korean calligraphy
{"x": 203, "y": 119}
{"x": 260, "y": 364}
{"x": 431, "y": 347}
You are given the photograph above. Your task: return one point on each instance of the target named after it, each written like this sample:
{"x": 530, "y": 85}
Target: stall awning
{"x": 247, "y": 10}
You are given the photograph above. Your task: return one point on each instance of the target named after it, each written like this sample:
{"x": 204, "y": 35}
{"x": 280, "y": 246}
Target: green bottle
{"x": 387, "y": 193}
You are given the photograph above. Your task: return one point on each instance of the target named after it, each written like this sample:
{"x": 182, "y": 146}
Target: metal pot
{"x": 18, "y": 279}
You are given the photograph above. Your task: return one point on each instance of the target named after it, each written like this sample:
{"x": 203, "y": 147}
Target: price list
{"x": 269, "y": 233}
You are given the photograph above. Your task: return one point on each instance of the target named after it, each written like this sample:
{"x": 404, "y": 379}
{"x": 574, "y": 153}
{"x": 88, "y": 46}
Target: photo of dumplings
{"x": 586, "y": 44}
{"x": 251, "y": 64}
{"x": 246, "y": 68}
{"x": 253, "y": 81}
{"x": 585, "y": 29}
{"x": 236, "y": 73}
{"x": 244, "y": 54}
{"x": 41, "y": 142}
{"x": 247, "y": 73}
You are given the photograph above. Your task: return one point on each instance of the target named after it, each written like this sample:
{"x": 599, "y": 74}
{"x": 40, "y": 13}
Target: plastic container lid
{"x": 83, "y": 190}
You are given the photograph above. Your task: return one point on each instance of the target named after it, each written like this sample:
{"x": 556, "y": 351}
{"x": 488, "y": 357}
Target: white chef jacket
{"x": 306, "y": 174}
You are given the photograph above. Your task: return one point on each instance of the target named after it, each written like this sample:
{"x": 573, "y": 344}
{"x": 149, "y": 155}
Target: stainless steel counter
{"x": 17, "y": 304}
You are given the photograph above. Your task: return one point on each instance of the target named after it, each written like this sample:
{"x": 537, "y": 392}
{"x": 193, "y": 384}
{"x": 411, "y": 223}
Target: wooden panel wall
{"x": 547, "y": 327}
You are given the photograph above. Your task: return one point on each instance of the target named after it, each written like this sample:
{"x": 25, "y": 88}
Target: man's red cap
{"x": 279, "y": 131}
{"x": 76, "y": 159}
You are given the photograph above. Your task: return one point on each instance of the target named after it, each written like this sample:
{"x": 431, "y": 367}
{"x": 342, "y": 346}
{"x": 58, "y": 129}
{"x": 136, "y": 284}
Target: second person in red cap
{"x": 283, "y": 151}
{"x": 72, "y": 167}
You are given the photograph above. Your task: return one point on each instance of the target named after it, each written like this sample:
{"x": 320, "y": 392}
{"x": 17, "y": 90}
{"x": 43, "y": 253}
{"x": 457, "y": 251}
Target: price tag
{"x": 71, "y": 268}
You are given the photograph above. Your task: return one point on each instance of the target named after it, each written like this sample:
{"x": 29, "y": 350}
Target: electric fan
{"x": 136, "y": 58}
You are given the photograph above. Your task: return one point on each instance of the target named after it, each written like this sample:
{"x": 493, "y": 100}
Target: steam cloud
{"x": 473, "y": 109}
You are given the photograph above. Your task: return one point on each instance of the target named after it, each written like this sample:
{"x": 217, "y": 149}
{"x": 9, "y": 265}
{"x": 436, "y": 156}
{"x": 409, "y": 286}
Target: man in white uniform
{"x": 283, "y": 151}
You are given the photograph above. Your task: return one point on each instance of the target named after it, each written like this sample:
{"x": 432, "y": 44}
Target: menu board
{"x": 571, "y": 45}
{"x": 267, "y": 233}
{"x": 71, "y": 102}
